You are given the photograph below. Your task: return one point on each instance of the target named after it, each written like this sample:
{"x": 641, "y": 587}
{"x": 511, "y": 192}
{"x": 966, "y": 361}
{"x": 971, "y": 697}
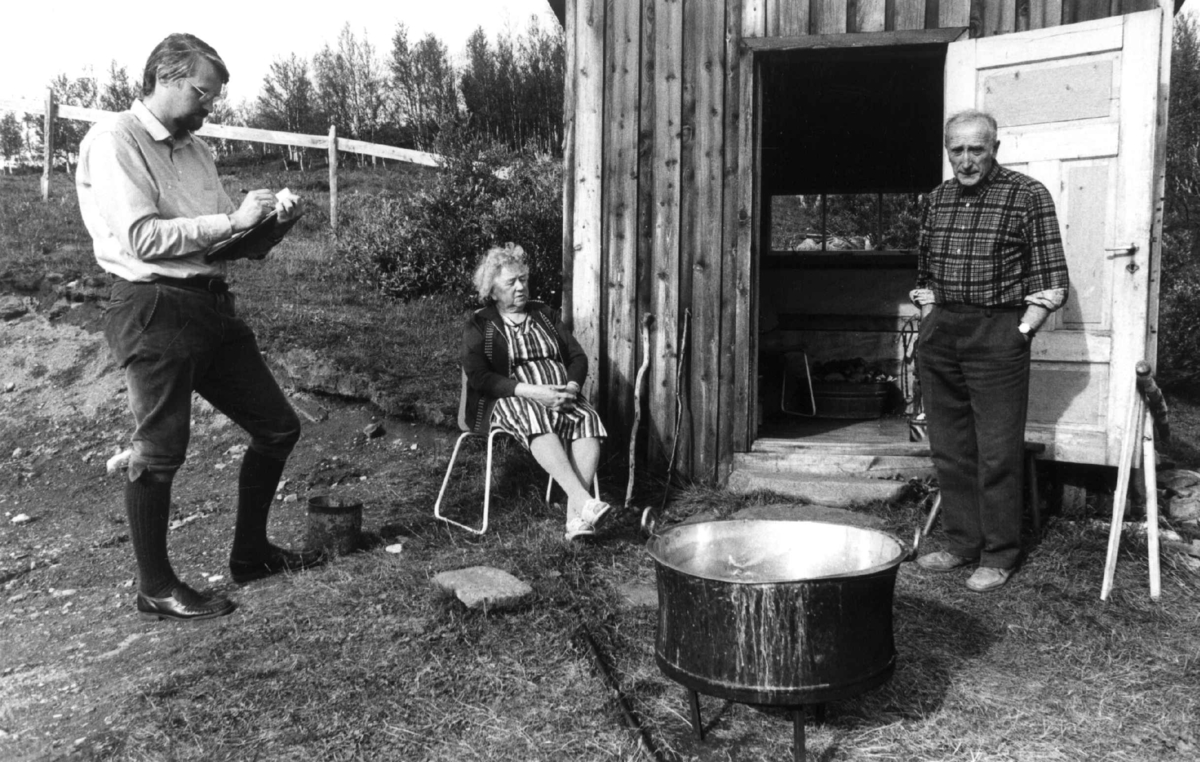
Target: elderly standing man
{"x": 150, "y": 197}
{"x": 990, "y": 271}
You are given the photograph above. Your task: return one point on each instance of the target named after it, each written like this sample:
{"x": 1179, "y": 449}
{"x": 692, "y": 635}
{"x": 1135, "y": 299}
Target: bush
{"x": 428, "y": 242}
{"x": 1179, "y": 309}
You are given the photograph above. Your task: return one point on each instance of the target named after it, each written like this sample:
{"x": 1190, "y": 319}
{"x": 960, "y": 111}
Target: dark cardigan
{"x": 486, "y": 364}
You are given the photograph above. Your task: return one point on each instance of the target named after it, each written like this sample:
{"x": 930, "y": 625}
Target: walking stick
{"x": 1118, "y": 513}
{"x": 647, "y": 319}
{"x": 1154, "y": 426}
{"x": 687, "y": 319}
{"x": 1150, "y": 469}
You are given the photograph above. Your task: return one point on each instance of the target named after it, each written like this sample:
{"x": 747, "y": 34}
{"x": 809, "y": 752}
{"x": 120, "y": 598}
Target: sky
{"x": 248, "y": 35}
{"x": 79, "y": 34}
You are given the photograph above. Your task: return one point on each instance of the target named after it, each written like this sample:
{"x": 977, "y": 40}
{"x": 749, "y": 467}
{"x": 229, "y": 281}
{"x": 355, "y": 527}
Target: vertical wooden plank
{"x": 618, "y": 364}
{"x": 1037, "y": 14}
{"x": 829, "y": 16}
{"x": 999, "y": 17}
{"x": 333, "y": 177}
{"x": 48, "y": 143}
{"x": 869, "y": 16}
{"x": 1136, "y": 201}
{"x": 743, "y": 226}
{"x": 668, "y": 60}
{"x": 704, "y": 160}
{"x": 954, "y": 13}
{"x": 568, "y": 246}
{"x": 587, "y": 222}
{"x": 728, "y": 434}
{"x": 794, "y": 17}
{"x": 645, "y": 164}
{"x": 1075, "y": 11}
{"x": 1160, "y": 169}
{"x": 910, "y": 14}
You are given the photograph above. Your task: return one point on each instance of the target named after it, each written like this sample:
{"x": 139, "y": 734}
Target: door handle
{"x": 1122, "y": 251}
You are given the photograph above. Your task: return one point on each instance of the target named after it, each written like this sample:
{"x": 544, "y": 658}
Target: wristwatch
{"x": 1026, "y": 329}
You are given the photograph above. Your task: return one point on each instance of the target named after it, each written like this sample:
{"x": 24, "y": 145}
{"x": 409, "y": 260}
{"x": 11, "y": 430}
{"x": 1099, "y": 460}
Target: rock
{"x": 12, "y": 307}
{"x": 1184, "y": 507}
{"x": 374, "y": 430}
{"x": 639, "y": 595}
{"x": 307, "y": 370}
{"x": 18, "y": 453}
{"x": 484, "y": 587}
{"x": 1178, "y": 479}
{"x": 11, "y": 386}
{"x": 22, "y": 518}
{"x": 395, "y": 548}
{"x": 236, "y": 451}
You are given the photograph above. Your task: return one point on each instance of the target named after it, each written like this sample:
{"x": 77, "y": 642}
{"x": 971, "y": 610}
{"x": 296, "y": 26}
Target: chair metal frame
{"x": 487, "y": 488}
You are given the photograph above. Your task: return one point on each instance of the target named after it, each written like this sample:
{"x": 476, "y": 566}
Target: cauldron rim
{"x": 653, "y": 547}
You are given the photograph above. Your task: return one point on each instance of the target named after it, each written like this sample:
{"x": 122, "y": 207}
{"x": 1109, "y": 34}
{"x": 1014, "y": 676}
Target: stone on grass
{"x": 639, "y": 595}
{"x": 374, "y": 430}
{"x": 483, "y": 587}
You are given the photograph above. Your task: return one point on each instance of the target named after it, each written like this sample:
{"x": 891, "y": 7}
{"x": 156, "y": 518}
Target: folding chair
{"x": 465, "y": 426}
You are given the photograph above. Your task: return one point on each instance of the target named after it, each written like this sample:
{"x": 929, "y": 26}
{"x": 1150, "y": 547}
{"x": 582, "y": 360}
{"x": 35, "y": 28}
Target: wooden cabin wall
{"x": 658, "y": 211}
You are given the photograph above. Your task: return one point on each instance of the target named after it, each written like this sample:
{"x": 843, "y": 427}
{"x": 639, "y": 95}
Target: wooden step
{"x": 837, "y": 491}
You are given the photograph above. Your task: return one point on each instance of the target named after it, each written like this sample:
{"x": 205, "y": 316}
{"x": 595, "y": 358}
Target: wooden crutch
{"x": 1146, "y": 405}
{"x": 1132, "y": 418}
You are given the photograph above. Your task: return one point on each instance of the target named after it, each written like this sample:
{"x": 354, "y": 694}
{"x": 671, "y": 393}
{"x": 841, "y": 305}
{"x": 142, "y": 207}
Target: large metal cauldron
{"x": 775, "y": 612}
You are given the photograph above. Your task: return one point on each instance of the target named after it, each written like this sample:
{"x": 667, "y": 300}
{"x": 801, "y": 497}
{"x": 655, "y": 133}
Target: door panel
{"x": 1077, "y": 107}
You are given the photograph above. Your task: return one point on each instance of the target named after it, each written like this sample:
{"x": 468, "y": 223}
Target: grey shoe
{"x": 943, "y": 561}
{"x": 988, "y": 578}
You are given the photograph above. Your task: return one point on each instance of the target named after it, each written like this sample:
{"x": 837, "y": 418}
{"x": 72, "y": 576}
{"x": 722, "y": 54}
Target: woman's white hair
{"x": 490, "y": 264}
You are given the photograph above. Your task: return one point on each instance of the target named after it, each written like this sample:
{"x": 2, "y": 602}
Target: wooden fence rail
{"x": 51, "y": 110}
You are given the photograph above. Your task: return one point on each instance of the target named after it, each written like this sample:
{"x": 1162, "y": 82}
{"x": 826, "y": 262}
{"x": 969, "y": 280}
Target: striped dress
{"x": 534, "y": 358}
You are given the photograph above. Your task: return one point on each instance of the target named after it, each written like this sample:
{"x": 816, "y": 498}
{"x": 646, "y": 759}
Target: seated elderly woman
{"x": 524, "y": 372}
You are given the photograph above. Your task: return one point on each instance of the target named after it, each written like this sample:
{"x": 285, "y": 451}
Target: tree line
{"x": 507, "y": 90}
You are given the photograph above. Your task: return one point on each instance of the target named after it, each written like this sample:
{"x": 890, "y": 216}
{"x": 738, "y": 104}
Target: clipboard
{"x": 257, "y": 238}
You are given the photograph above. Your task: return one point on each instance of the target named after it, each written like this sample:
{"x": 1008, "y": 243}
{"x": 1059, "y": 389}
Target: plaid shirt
{"x": 992, "y": 244}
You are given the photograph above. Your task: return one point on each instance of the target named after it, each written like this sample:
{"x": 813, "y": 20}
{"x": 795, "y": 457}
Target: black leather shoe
{"x": 274, "y": 561}
{"x": 184, "y": 604}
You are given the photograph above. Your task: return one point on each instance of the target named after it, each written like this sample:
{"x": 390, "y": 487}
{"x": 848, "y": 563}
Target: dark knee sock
{"x": 148, "y": 507}
{"x": 257, "y": 481}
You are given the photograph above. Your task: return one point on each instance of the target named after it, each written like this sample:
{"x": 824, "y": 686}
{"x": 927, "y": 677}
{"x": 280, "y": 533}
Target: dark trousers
{"x": 173, "y": 341}
{"x": 974, "y": 370}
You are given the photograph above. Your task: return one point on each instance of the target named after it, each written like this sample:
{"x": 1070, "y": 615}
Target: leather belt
{"x": 197, "y": 283}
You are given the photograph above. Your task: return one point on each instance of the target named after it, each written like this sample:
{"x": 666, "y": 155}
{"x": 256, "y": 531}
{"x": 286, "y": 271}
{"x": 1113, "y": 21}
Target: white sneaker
{"x": 594, "y": 510}
{"x": 578, "y": 527}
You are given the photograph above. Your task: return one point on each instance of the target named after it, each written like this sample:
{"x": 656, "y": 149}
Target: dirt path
{"x": 71, "y": 647}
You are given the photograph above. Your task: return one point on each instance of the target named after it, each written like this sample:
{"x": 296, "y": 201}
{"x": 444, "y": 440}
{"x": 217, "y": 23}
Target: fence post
{"x": 333, "y": 163}
{"x": 48, "y": 144}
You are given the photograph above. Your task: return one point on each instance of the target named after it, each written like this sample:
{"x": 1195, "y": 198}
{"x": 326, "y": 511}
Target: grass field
{"x": 362, "y": 660}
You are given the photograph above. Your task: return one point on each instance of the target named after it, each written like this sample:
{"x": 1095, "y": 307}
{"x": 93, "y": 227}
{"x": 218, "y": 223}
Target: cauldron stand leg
{"x": 798, "y": 733}
{"x": 694, "y": 705}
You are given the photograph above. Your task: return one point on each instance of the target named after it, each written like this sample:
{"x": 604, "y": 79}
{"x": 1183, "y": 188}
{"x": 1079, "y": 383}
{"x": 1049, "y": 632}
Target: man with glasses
{"x": 150, "y": 197}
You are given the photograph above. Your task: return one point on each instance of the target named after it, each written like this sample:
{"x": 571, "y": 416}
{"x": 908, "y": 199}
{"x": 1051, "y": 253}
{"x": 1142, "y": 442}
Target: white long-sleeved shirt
{"x": 152, "y": 203}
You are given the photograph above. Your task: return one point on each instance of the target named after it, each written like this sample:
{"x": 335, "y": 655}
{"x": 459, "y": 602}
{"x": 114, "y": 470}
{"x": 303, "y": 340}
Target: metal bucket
{"x": 776, "y": 612}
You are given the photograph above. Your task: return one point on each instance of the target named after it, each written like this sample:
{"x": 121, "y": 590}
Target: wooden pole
{"x": 1150, "y": 469}
{"x": 333, "y": 167}
{"x": 1118, "y": 512}
{"x": 647, "y": 319}
{"x": 48, "y": 144}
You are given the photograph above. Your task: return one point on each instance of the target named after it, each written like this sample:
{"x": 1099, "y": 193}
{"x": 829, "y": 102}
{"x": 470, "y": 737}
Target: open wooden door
{"x": 1079, "y": 109}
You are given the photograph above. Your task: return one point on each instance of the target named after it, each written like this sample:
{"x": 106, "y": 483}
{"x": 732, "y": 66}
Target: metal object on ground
{"x": 334, "y": 525}
{"x": 785, "y": 613}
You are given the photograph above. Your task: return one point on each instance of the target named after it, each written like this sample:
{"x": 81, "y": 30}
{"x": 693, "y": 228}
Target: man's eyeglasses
{"x": 205, "y": 95}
